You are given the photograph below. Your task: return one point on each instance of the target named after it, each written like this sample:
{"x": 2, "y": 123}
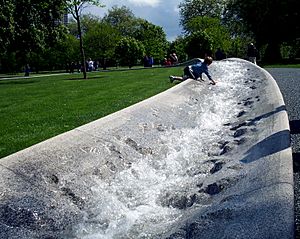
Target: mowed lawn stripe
{"x": 35, "y": 109}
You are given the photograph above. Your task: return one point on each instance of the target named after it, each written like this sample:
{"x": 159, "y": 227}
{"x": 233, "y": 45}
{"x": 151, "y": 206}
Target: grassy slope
{"x": 35, "y": 109}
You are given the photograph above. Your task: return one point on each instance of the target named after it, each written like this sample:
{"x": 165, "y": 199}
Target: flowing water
{"x": 157, "y": 192}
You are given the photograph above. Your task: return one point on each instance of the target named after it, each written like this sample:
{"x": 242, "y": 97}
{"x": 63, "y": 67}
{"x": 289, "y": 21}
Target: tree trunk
{"x": 81, "y": 43}
{"x": 272, "y": 54}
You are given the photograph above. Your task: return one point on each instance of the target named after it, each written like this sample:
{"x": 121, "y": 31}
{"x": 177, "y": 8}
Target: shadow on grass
{"x": 88, "y": 78}
{"x": 18, "y": 82}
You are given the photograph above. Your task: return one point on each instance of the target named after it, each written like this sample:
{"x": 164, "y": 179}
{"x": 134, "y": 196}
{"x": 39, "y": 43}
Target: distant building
{"x": 65, "y": 19}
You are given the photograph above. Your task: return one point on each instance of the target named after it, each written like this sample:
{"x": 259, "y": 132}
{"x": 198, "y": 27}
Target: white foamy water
{"x": 158, "y": 191}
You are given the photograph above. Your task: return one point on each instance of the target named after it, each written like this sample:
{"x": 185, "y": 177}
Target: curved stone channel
{"x": 288, "y": 82}
{"x": 196, "y": 161}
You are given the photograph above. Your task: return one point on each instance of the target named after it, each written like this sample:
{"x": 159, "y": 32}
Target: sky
{"x": 164, "y": 13}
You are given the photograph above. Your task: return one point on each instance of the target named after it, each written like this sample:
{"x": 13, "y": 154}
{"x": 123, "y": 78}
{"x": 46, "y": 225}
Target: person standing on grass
{"x": 252, "y": 53}
{"x": 90, "y": 65}
{"x": 27, "y": 70}
{"x": 173, "y": 58}
{"x": 195, "y": 71}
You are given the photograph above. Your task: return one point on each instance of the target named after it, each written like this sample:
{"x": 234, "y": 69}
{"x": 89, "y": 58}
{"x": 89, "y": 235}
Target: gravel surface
{"x": 288, "y": 80}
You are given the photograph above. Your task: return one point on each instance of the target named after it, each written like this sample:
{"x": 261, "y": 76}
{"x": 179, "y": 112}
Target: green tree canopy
{"x": 87, "y": 21}
{"x": 129, "y": 51}
{"x": 6, "y": 25}
{"x": 195, "y": 8}
{"x": 213, "y": 27}
{"x": 270, "y": 22}
{"x": 28, "y": 26}
{"x": 101, "y": 40}
{"x": 178, "y": 46}
{"x": 199, "y": 44}
{"x": 153, "y": 38}
{"x": 122, "y": 19}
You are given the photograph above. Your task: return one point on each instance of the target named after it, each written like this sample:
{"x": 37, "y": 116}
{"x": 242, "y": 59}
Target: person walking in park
{"x": 27, "y": 70}
{"x": 90, "y": 65}
{"x": 195, "y": 71}
{"x": 252, "y": 53}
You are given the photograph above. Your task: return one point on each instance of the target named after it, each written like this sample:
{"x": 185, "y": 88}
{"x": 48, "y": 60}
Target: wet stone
{"x": 248, "y": 103}
{"x": 223, "y": 143}
{"x": 225, "y": 213}
{"x": 239, "y": 132}
{"x": 226, "y": 149}
{"x": 180, "y": 234}
{"x": 240, "y": 141}
{"x": 241, "y": 113}
{"x": 135, "y": 146}
{"x": 238, "y": 125}
{"x": 249, "y": 98}
{"x": 217, "y": 167}
{"x": 199, "y": 185}
{"x": 53, "y": 179}
{"x": 161, "y": 128}
{"x": 114, "y": 149}
{"x": 79, "y": 202}
{"x": 18, "y": 217}
{"x": 178, "y": 201}
{"x": 131, "y": 143}
{"x": 213, "y": 153}
{"x": 213, "y": 189}
{"x": 145, "y": 151}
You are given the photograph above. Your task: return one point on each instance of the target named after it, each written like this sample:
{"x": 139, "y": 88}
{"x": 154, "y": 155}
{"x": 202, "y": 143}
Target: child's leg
{"x": 172, "y": 78}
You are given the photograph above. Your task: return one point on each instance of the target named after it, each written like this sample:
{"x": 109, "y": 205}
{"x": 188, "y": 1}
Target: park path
{"x": 32, "y": 76}
{"x": 288, "y": 80}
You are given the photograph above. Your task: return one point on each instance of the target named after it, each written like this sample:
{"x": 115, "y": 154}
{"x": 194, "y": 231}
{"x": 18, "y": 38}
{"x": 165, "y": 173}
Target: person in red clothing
{"x": 167, "y": 62}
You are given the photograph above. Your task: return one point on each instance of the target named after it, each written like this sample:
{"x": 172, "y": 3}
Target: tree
{"x": 87, "y": 21}
{"x": 6, "y": 33}
{"x": 178, "y": 46}
{"x": 198, "y": 44}
{"x": 214, "y": 28}
{"x": 129, "y": 50}
{"x": 75, "y": 7}
{"x": 122, "y": 19}
{"x": 270, "y": 23}
{"x": 28, "y": 26}
{"x": 153, "y": 38}
{"x": 7, "y": 25}
{"x": 102, "y": 39}
{"x": 63, "y": 53}
{"x": 195, "y": 8}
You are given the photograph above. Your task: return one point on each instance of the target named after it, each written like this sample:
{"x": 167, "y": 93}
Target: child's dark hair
{"x": 208, "y": 60}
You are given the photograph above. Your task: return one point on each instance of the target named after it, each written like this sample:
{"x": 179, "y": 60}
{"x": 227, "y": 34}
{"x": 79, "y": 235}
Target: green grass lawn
{"x": 35, "y": 109}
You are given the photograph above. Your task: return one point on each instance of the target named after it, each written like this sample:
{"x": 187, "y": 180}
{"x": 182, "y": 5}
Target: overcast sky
{"x": 162, "y": 13}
